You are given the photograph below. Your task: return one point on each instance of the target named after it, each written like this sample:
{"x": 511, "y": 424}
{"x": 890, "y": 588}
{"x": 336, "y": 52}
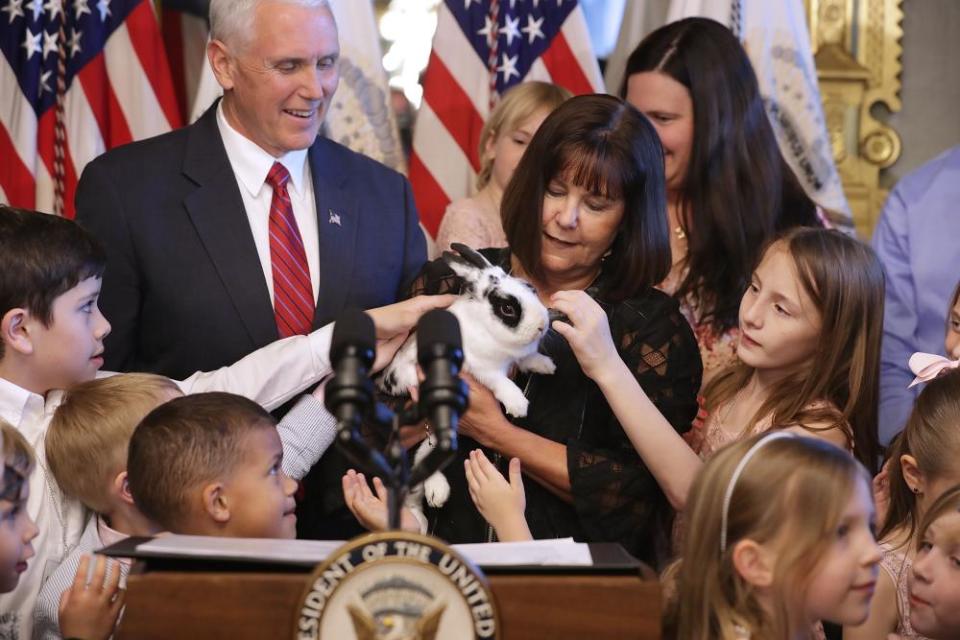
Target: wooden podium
{"x": 194, "y": 598}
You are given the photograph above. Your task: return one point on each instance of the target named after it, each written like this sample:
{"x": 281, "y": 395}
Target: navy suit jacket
{"x": 184, "y": 289}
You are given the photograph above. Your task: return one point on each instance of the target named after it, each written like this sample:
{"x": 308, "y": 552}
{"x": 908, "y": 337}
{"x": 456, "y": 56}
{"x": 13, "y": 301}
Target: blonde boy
{"x": 86, "y": 447}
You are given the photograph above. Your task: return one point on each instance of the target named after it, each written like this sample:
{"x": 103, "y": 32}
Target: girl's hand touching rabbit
{"x": 588, "y": 331}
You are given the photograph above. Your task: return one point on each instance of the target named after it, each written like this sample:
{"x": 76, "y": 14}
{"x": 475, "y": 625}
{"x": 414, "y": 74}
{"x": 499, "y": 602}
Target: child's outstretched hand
{"x": 500, "y": 502}
{"x": 371, "y": 510}
{"x": 90, "y": 610}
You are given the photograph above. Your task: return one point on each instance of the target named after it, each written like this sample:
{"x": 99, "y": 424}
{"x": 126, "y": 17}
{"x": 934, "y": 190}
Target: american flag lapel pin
{"x": 334, "y": 217}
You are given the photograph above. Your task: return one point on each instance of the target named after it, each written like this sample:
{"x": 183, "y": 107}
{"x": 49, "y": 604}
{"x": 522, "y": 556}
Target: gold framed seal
{"x": 396, "y": 586}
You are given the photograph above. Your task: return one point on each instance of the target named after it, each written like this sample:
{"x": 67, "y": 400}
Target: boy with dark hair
{"x": 211, "y": 464}
{"x": 51, "y": 338}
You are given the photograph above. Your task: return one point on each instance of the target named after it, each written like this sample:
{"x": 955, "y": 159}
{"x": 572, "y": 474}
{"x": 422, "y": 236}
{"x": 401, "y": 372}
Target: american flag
{"x": 77, "y": 77}
{"x": 481, "y": 49}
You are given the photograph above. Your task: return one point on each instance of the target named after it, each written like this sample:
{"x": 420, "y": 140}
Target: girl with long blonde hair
{"x": 475, "y": 220}
{"x": 784, "y": 540}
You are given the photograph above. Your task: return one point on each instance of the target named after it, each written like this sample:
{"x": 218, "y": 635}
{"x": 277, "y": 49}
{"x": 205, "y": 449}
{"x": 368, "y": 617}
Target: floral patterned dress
{"x": 718, "y": 350}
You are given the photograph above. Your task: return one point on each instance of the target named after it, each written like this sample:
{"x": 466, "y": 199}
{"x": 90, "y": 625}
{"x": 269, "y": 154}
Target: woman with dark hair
{"x": 728, "y": 188}
{"x": 585, "y": 210}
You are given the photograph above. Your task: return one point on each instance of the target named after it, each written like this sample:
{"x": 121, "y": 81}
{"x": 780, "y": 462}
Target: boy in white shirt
{"x": 51, "y": 338}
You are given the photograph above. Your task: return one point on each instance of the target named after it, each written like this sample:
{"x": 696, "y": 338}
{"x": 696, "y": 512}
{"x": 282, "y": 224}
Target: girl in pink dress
{"x": 475, "y": 221}
{"x": 809, "y": 349}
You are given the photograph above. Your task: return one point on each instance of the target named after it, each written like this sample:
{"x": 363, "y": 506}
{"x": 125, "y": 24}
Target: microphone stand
{"x": 393, "y": 465}
{"x": 349, "y": 395}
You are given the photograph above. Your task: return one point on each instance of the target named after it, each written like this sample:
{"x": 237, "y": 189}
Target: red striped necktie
{"x": 293, "y": 304}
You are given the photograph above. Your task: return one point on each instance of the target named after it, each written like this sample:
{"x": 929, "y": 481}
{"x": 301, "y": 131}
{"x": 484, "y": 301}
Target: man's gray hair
{"x": 231, "y": 21}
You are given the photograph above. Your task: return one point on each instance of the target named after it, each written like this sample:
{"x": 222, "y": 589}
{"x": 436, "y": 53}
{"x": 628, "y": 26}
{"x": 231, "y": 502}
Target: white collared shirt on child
{"x": 269, "y": 376}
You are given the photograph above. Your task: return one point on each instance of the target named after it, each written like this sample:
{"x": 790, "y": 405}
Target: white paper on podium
{"x": 263, "y": 549}
{"x": 559, "y": 552}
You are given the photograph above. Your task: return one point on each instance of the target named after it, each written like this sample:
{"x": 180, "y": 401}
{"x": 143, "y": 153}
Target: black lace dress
{"x": 615, "y": 498}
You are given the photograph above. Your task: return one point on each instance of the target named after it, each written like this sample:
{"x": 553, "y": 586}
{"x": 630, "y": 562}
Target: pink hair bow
{"x": 927, "y": 366}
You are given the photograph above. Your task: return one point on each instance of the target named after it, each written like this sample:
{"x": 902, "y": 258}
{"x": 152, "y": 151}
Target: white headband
{"x": 774, "y": 435}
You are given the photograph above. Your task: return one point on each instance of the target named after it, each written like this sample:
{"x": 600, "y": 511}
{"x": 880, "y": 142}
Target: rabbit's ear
{"x": 461, "y": 267}
{"x": 473, "y": 257}
{"x": 469, "y": 273}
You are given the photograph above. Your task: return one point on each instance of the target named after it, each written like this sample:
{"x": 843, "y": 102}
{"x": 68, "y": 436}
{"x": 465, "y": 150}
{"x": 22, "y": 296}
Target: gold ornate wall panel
{"x": 856, "y": 46}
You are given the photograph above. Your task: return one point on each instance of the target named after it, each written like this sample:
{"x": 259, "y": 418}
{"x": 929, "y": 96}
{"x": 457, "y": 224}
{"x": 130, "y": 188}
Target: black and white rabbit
{"x": 502, "y": 322}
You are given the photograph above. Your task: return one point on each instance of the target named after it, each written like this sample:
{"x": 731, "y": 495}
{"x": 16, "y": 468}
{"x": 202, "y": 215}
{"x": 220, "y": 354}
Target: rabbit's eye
{"x": 506, "y": 308}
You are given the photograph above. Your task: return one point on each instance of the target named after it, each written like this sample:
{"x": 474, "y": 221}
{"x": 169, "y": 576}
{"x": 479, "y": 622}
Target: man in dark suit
{"x": 211, "y": 255}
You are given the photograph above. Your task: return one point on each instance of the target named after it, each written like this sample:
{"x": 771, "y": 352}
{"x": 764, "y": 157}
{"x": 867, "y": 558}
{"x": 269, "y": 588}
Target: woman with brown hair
{"x": 585, "y": 211}
{"x": 728, "y": 188}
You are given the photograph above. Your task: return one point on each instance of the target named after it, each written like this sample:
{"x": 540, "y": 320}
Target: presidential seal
{"x": 396, "y": 586}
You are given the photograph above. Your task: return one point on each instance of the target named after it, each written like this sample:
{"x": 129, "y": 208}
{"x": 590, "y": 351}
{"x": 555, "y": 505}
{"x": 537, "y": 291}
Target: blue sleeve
{"x": 891, "y": 240}
{"x": 415, "y": 244}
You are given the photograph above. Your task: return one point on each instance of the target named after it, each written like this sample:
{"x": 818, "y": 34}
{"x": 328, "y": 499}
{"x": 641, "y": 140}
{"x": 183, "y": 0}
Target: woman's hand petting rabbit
{"x": 588, "y": 332}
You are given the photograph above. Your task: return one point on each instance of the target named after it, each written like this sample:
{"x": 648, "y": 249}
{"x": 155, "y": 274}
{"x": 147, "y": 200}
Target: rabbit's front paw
{"x": 437, "y": 490}
{"x": 513, "y": 400}
{"x": 538, "y": 363}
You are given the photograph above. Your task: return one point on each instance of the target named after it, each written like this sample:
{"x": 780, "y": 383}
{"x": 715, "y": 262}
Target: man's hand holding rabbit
{"x": 395, "y": 321}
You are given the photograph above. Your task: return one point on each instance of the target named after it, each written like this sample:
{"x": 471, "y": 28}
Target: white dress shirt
{"x": 250, "y": 165}
{"x": 269, "y": 376}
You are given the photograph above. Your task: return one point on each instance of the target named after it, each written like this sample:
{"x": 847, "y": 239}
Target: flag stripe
{"x": 16, "y": 180}
{"x": 564, "y": 68}
{"x": 85, "y": 142}
{"x": 454, "y": 109}
{"x": 45, "y": 135}
{"x": 44, "y": 189}
{"x": 153, "y": 60}
{"x": 431, "y": 198}
{"x": 172, "y": 29}
{"x": 444, "y": 159}
{"x": 19, "y": 120}
{"x": 538, "y": 71}
{"x": 103, "y": 102}
{"x": 136, "y": 97}
{"x": 456, "y": 52}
